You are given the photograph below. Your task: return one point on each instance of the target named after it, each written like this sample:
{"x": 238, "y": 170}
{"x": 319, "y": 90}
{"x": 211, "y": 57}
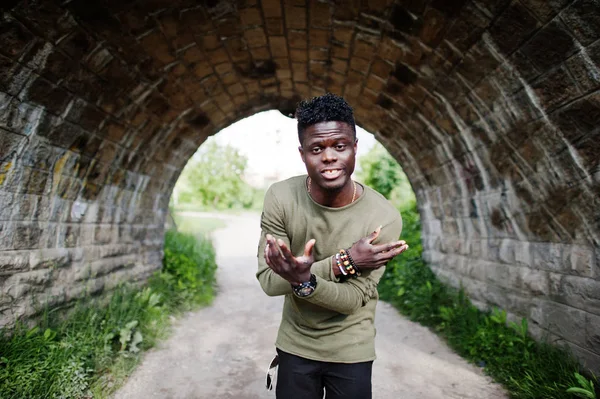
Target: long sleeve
{"x": 272, "y": 222}
{"x": 348, "y": 297}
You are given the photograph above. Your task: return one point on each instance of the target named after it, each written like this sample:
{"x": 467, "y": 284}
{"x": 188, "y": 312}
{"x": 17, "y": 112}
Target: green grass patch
{"x": 193, "y": 207}
{"x": 526, "y": 368}
{"x": 90, "y": 352}
{"x": 198, "y": 225}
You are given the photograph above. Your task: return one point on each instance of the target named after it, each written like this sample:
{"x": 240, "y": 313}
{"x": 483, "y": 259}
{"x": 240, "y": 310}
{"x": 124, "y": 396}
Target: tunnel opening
{"x": 251, "y": 154}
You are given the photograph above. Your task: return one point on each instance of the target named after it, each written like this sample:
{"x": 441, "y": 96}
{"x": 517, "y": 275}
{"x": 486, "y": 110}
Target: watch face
{"x": 305, "y": 291}
{"x": 307, "y": 288}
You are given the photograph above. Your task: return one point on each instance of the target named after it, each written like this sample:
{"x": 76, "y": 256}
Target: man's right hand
{"x": 368, "y": 256}
{"x": 280, "y": 259}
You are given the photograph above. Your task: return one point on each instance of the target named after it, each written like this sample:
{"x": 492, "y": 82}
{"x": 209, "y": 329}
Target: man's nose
{"x": 329, "y": 155}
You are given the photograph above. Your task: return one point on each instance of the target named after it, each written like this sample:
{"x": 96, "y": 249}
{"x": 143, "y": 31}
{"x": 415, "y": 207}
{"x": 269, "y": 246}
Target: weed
{"x": 91, "y": 351}
{"x": 585, "y": 388}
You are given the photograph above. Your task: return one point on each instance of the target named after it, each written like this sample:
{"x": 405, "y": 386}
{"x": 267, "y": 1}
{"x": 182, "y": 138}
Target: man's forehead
{"x": 328, "y": 129}
{"x": 330, "y": 125}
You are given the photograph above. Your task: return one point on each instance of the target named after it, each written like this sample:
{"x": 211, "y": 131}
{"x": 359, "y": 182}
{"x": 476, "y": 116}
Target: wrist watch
{"x": 305, "y": 289}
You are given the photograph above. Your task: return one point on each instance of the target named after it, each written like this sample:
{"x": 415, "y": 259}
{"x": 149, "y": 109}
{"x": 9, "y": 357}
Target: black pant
{"x": 299, "y": 378}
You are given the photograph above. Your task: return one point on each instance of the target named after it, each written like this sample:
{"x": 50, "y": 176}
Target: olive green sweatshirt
{"x": 336, "y": 322}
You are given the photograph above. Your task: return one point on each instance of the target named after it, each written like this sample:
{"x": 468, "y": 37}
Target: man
{"x": 324, "y": 244}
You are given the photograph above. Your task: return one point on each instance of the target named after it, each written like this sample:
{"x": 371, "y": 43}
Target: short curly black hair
{"x": 325, "y": 108}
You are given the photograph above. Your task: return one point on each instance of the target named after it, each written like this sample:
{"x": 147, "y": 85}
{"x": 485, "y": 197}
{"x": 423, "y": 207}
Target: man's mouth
{"x": 331, "y": 174}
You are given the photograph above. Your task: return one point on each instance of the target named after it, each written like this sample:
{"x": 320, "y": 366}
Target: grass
{"x": 199, "y": 226}
{"x": 191, "y": 207}
{"x": 257, "y": 205}
{"x": 528, "y": 369}
{"x": 91, "y": 351}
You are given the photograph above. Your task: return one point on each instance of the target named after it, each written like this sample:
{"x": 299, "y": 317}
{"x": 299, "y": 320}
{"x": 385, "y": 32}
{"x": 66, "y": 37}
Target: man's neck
{"x": 333, "y": 199}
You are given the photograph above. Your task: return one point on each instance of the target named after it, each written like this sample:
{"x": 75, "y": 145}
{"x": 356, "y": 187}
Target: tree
{"x": 215, "y": 179}
{"x": 380, "y": 171}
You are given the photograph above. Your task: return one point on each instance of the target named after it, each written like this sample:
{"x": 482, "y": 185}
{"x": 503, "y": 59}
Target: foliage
{"x": 585, "y": 388}
{"x": 215, "y": 180}
{"x": 188, "y": 283}
{"x": 380, "y": 171}
{"x": 89, "y": 352}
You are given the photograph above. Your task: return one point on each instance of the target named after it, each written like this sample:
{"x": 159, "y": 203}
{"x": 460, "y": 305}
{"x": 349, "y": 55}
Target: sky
{"x": 269, "y": 140}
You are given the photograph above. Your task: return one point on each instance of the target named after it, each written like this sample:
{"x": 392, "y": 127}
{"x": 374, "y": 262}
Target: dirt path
{"x": 222, "y": 351}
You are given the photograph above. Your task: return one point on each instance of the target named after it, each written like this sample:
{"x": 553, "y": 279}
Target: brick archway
{"x": 492, "y": 108}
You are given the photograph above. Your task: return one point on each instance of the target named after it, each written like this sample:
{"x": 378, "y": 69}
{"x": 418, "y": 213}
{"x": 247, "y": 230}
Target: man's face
{"x": 329, "y": 152}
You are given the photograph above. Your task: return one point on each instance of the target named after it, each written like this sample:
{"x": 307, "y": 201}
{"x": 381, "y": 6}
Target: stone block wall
{"x": 491, "y": 107}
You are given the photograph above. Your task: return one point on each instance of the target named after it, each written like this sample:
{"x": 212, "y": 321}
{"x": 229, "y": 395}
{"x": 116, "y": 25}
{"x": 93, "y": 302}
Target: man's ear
{"x": 301, "y": 153}
{"x": 355, "y": 144}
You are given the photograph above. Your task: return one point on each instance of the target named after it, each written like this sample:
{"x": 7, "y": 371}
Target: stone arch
{"x": 492, "y": 108}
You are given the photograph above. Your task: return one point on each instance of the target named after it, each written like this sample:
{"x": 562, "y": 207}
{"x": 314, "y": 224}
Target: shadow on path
{"x": 222, "y": 351}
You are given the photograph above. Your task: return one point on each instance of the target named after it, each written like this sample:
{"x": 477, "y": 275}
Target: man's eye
{"x": 316, "y": 150}
{"x": 340, "y": 146}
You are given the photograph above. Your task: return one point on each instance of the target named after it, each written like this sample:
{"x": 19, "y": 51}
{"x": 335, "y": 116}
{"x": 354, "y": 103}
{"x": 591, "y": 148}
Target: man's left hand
{"x": 280, "y": 259}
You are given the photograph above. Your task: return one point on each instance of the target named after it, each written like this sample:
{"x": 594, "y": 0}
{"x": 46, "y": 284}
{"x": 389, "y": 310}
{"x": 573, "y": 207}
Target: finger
{"x": 276, "y": 264}
{"x": 274, "y": 256}
{"x": 308, "y": 248}
{"x": 269, "y": 259}
{"x": 371, "y": 237}
{"x": 388, "y": 247}
{"x": 285, "y": 251}
{"x": 272, "y": 241}
{"x": 274, "y": 245}
{"x": 266, "y": 254}
{"x": 269, "y": 244}
{"x": 280, "y": 260}
{"x": 386, "y": 256}
{"x": 398, "y": 251}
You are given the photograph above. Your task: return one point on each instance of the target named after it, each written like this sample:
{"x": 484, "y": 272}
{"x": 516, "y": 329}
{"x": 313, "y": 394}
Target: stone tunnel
{"x": 492, "y": 107}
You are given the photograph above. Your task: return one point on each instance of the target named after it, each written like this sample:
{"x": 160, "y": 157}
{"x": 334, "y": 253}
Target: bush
{"x": 214, "y": 179}
{"x": 91, "y": 351}
{"x": 527, "y": 369}
{"x": 188, "y": 274}
{"x": 380, "y": 171}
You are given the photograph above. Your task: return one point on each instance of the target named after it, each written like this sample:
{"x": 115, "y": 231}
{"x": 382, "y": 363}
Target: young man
{"x": 324, "y": 244}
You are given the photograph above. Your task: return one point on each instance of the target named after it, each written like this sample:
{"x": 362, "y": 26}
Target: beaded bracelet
{"x": 350, "y": 267}
{"x": 339, "y": 265}
{"x": 352, "y": 262}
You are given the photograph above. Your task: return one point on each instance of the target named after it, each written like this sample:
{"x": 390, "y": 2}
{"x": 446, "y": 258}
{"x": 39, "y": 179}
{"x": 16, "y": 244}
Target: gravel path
{"x": 222, "y": 351}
